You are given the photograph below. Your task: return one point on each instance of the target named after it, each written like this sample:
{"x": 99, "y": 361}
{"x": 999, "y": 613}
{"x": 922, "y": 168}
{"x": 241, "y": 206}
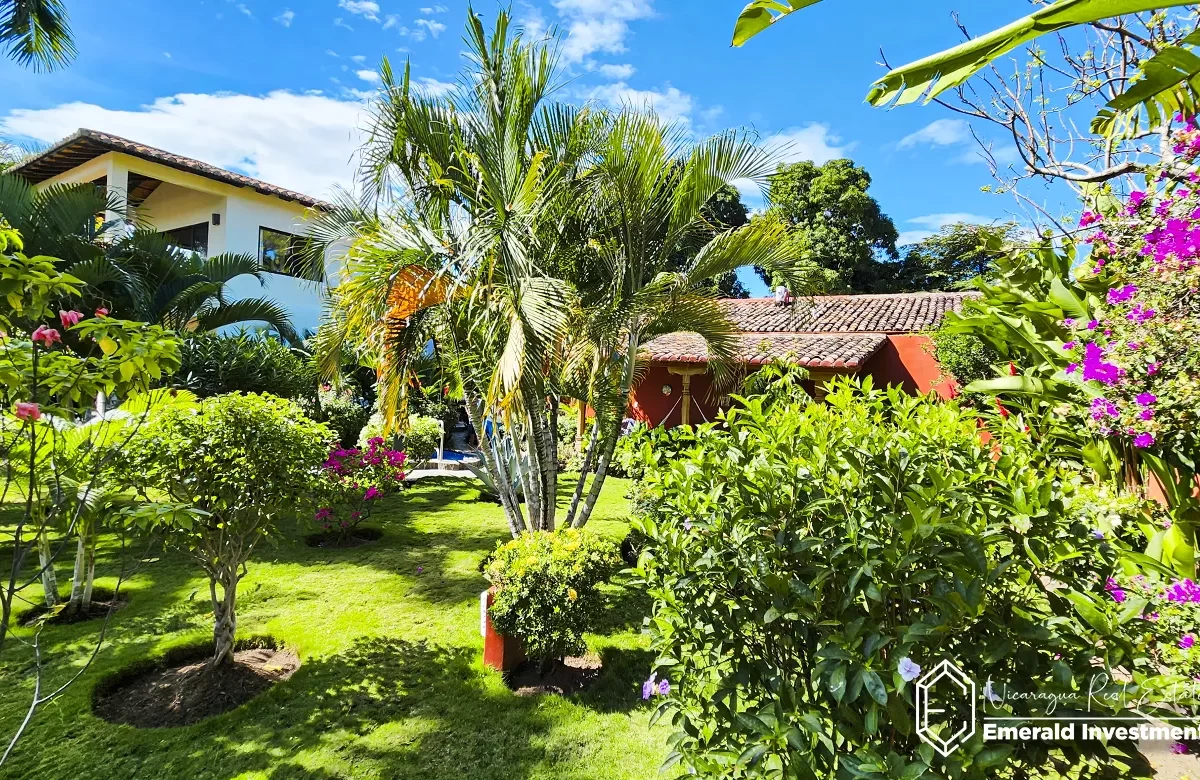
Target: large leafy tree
{"x": 36, "y": 33}
{"x": 836, "y": 221}
{"x": 952, "y": 257}
{"x": 537, "y": 245}
{"x": 134, "y": 271}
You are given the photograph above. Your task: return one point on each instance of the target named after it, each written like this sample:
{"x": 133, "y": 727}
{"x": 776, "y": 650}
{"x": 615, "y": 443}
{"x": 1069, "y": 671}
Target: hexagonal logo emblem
{"x": 945, "y": 708}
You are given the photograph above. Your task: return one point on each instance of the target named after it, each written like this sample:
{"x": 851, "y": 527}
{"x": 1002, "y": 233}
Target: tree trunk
{"x": 610, "y": 441}
{"x": 89, "y": 574}
{"x": 224, "y": 616}
{"x": 551, "y": 456}
{"x": 593, "y": 439}
{"x": 46, "y": 561}
{"x": 77, "y": 574}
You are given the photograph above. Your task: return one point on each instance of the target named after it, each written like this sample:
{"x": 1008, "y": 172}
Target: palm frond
{"x": 264, "y": 310}
{"x": 36, "y": 33}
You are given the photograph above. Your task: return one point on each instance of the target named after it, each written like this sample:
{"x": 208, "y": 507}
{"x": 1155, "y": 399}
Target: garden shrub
{"x": 546, "y": 588}
{"x": 351, "y": 484}
{"x": 243, "y": 461}
{"x": 214, "y": 363}
{"x": 808, "y": 561}
{"x": 419, "y": 442}
{"x": 346, "y": 415}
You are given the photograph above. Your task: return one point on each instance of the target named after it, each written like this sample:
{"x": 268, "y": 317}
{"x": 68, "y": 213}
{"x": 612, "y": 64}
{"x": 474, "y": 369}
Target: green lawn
{"x": 391, "y": 684}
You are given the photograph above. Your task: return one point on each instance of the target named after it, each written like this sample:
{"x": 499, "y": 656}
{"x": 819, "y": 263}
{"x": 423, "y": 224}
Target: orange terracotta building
{"x": 883, "y": 336}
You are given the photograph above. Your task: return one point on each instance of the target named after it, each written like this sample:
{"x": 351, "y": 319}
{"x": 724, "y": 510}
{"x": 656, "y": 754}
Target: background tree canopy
{"x": 839, "y": 225}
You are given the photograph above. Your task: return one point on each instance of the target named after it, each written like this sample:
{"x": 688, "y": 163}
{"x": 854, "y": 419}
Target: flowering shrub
{"x": 420, "y": 441}
{"x": 1171, "y": 622}
{"x": 1138, "y": 349}
{"x": 546, "y": 588}
{"x": 809, "y": 563}
{"x": 353, "y": 481}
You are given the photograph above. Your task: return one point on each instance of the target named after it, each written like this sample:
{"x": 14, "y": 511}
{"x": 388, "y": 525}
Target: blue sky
{"x": 274, "y": 88}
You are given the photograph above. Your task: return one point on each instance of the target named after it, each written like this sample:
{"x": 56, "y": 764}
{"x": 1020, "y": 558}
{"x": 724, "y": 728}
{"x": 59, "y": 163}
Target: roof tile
{"x": 807, "y": 349}
{"x": 896, "y": 313}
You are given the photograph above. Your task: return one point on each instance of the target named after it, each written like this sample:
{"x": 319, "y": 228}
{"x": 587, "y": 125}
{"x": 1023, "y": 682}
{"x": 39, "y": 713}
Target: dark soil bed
{"x": 102, "y": 602}
{"x": 178, "y": 692}
{"x": 572, "y": 675}
{"x": 357, "y": 538}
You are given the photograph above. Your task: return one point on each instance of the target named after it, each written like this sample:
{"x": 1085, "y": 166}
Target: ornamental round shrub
{"x": 810, "y": 562}
{"x": 546, "y": 588}
{"x": 419, "y": 442}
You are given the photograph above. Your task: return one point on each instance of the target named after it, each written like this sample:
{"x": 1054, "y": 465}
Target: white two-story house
{"x": 202, "y": 208}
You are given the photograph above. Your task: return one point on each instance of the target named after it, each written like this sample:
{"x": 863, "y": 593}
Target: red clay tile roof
{"x": 897, "y": 313}
{"x": 87, "y": 144}
{"x": 806, "y": 349}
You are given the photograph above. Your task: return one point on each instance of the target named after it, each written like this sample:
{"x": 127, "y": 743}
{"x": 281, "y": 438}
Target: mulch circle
{"x": 187, "y": 690}
{"x": 102, "y": 603}
{"x": 358, "y": 538}
{"x": 573, "y": 674}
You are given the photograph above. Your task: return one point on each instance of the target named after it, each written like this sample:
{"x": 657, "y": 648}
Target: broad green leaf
{"x": 875, "y": 687}
{"x": 761, "y": 14}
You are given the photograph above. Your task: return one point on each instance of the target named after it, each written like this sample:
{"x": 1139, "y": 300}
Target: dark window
{"x": 278, "y": 251}
{"x": 193, "y": 238}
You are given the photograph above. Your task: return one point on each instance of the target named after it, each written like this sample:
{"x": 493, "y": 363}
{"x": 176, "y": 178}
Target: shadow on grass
{"x": 444, "y": 718}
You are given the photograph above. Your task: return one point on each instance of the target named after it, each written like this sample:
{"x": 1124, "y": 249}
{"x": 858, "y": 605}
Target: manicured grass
{"x": 391, "y": 684}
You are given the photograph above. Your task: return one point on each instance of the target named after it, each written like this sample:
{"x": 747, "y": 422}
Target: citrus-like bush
{"x": 546, "y": 592}
{"x": 811, "y": 561}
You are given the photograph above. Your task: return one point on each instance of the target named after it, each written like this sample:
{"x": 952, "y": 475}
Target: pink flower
{"x": 1152, "y": 369}
{"x": 69, "y": 318}
{"x": 28, "y": 411}
{"x": 1186, "y": 642}
{"x": 1122, "y": 294}
{"x": 371, "y": 494}
{"x": 324, "y": 513}
{"x": 1143, "y": 440}
{"x": 1146, "y": 399}
{"x": 1088, "y": 218}
{"x": 46, "y": 335}
{"x": 102, "y": 312}
{"x": 1179, "y": 748}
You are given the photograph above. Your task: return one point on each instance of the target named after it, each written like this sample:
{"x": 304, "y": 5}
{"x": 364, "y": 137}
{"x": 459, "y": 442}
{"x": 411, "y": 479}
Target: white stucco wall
{"x": 188, "y": 199}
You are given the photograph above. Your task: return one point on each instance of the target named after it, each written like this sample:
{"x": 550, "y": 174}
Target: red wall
{"x": 908, "y": 360}
{"x": 651, "y": 406}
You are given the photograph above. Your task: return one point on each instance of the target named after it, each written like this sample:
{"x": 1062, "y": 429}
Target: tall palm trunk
{"x": 610, "y": 441}
{"x": 46, "y": 561}
{"x": 89, "y": 575}
{"x": 588, "y": 457}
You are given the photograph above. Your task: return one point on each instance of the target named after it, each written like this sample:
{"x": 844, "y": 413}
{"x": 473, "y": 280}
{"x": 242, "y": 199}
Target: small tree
{"x": 243, "y": 461}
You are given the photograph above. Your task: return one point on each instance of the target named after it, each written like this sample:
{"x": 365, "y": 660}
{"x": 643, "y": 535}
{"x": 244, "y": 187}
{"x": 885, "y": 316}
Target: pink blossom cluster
{"x": 354, "y": 479}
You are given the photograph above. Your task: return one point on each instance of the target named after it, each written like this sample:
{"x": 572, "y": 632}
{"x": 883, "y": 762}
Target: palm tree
{"x": 138, "y": 275}
{"x": 533, "y": 243}
{"x": 36, "y": 33}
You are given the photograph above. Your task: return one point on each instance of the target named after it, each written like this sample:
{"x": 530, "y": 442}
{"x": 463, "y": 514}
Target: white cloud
{"x": 359, "y": 58}
{"x": 941, "y": 132}
{"x": 433, "y": 87}
{"x": 434, "y": 27}
{"x": 368, "y": 9}
{"x": 301, "y": 141}
{"x": 369, "y": 76}
{"x": 340, "y": 22}
{"x": 813, "y": 141}
{"x": 286, "y": 18}
{"x": 616, "y": 72}
{"x": 598, "y": 25}
{"x": 393, "y": 20}
{"x": 670, "y": 104}
{"x": 437, "y": 9}
{"x": 167, "y": 54}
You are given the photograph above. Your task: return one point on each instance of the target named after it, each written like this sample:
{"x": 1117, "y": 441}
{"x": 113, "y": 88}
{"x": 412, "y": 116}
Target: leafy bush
{"x": 243, "y": 461}
{"x": 546, "y": 592}
{"x": 346, "y": 415}
{"x": 213, "y": 364}
{"x": 644, "y": 447}
{"x": 967, "y": 358}
{"x": 352, "y": 482}
{"x": 806, "y": 561}
{"x": 419, "y": 442}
